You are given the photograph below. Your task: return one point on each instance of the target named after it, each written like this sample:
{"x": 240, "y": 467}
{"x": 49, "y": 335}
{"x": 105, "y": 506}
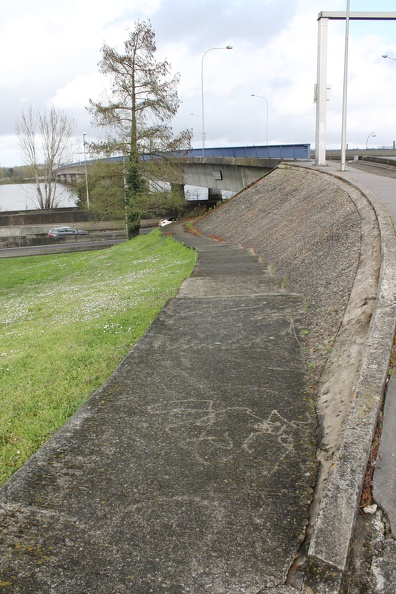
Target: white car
{"x": 164, "y": 222}
{"x": 62, "y": 231}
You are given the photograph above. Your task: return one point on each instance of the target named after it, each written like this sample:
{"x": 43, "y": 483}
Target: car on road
{"x": 64, "y": 231}
{"x": 164, "y": 222}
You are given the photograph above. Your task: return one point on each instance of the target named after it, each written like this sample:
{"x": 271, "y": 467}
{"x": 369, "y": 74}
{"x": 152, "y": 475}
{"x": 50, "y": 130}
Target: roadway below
{"x": 59, "y": 248}
{"x": 63, "y": 248}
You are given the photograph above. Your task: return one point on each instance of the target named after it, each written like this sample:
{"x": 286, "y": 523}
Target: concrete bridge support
{"x": 214, "y": 195}
{"x": 225, "y": 173}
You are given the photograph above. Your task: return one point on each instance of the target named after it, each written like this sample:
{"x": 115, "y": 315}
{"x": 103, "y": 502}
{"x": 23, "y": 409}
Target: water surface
{"x": 24, "y": 197}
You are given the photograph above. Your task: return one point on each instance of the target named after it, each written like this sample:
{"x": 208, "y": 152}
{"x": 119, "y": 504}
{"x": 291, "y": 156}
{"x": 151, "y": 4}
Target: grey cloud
{"x": 203, "y": 21}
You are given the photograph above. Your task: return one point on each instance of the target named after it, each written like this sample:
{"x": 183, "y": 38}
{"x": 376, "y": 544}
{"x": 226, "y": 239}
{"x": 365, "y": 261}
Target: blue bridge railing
{"x": 276, "y": 151}
{"x": 279, "y": 151}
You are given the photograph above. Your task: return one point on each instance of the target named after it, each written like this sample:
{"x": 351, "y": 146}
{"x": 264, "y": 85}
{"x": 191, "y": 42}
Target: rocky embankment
{"x": 308, "y": 230}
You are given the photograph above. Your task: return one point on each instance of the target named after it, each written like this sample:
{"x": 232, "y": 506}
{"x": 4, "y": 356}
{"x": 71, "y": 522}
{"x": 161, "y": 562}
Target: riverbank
{"x": 22, "y": 197}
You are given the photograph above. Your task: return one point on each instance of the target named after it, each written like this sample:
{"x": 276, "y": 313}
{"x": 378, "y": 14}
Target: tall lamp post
{"x": 85, "y": 169}
{"x": 373, "y": 134}
{"x": 261, "y": 97}
{"x": 202, "y": 92}
{"x": 345, "y": 89}
{"x": 394, "y": 59}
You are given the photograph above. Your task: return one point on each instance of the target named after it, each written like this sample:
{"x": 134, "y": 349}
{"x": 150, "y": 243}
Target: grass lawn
{"x": 66, "y": 322}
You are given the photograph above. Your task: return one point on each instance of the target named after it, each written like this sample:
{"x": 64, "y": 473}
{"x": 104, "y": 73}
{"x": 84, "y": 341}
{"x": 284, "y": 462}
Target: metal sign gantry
{"x": 321, "y": 89}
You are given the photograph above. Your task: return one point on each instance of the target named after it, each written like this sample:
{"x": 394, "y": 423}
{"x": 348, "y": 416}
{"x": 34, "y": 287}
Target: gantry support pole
{"x": 321, "y": 85}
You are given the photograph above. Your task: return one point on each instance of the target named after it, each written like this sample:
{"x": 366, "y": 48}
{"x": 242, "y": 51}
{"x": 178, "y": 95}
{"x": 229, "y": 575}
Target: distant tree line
{"x": 17, "y": 174}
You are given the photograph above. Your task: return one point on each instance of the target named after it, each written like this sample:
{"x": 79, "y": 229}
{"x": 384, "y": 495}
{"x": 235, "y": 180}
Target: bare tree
{"x": 136, "y": 116}
{"x": 46, "y": 140}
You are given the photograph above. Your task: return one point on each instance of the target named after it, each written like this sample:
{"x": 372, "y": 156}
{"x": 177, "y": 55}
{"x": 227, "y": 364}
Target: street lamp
{"x": 261, "y": 97}
{"x": 228, "y": 47}
{"x": 373, "y": 134}
{"x": 345, "y": 89}
{"x": 85, "y": 169}
{"x": 389, "y": 58}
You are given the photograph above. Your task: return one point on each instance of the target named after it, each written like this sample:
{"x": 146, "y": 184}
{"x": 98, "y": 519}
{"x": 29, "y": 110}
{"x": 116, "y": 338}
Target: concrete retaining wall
{"x": 334, "y": 242}
{"x": 61, "y": 216}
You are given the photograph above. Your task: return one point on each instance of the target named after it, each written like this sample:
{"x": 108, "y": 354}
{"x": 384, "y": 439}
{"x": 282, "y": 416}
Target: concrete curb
{"x": 333, "y": 529}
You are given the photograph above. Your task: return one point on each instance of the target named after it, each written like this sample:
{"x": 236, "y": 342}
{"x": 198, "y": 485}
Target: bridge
{"x": 223, "y": 168}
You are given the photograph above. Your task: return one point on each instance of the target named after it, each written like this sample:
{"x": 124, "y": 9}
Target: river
{"x": 23, "y": 197}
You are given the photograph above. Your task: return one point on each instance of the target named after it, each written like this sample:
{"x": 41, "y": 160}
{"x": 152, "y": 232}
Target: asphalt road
{"x": 376, "y": 168}
{"x": 42, "y": 250}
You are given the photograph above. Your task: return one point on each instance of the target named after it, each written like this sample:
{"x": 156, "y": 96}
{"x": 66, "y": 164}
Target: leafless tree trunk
{"x": 46, "y": 140}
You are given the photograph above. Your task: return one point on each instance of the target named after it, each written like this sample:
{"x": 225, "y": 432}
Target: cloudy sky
{"x": 49, "y": 51}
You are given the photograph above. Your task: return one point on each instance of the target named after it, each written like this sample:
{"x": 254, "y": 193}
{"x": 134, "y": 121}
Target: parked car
{"x": 168, "y": 221}
{"x": 63, "y": 231}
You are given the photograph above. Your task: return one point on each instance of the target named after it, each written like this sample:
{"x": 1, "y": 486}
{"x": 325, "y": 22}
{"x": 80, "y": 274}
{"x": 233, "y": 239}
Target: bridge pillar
{"x": 321, "y": 93}
{"x": 214, "y": 195}
{"x": 177, "y": 188}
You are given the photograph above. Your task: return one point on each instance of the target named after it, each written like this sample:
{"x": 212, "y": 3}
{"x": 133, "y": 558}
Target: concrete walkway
{"x": 191, "y": 470}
